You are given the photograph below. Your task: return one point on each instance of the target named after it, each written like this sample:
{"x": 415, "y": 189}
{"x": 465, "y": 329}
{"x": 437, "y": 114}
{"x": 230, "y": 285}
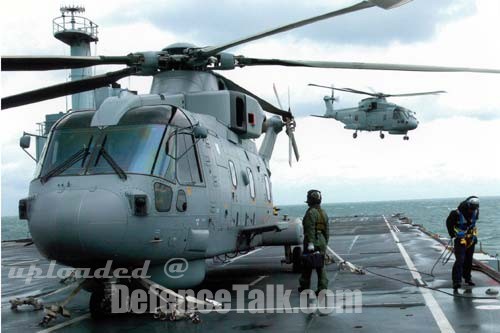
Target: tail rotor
{"x": 290, "y": 125}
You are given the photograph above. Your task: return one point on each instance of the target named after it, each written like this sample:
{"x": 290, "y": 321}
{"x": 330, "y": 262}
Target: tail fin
{"x": 329, "y": 106}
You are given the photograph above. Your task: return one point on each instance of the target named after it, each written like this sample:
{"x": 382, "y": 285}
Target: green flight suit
{"x": 316, "y": 231}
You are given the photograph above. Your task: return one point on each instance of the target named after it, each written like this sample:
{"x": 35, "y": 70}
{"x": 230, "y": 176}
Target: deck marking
{"x": 485, "y": 301}
{"x": 66, "y": 323}
{"x": 242, "y": 256}
{"x": 488, "y": 307}
{"x": 352, "y": 244}
{"x": 260, "y": 278}
{"x": 436, "y": 311}
{"x": 21, "y": 262}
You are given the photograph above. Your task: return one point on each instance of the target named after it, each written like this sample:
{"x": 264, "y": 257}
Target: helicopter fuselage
{"x": 174, "y": 194}
{"x": 374, "y": 114}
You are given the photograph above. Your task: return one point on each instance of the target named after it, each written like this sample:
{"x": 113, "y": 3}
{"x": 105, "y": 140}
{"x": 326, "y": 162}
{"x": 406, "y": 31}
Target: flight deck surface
{"x": 391, "y": 251}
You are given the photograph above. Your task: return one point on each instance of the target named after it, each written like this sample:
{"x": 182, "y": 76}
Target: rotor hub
{"x": 178, "y": 48}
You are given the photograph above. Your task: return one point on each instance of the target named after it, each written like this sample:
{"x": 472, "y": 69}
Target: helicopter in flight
{"x": 374, "y": 113}
{"x": 174, "y": 174}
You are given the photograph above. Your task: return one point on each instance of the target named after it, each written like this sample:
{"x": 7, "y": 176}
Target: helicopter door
{"x": 359, "y": 119}
{"x": 214, "y": 181}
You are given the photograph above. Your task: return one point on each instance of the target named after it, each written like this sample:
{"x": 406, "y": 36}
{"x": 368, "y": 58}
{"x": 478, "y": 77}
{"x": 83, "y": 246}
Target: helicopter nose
{"x": 78, "y": 226}
{"x": 411, "y": 124}
{"x": 414, "y": 124}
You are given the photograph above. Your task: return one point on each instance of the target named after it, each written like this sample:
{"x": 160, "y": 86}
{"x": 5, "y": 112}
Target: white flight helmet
{"x": 473, "y": 202}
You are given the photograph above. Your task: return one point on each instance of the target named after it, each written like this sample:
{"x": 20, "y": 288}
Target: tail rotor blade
{"x": 294, "y": 146}
{"x": 289, "y": 106}
{"x": 277, "y": 96}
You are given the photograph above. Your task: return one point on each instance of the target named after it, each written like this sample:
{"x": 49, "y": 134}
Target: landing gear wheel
{"x": 98, "y": 306}
{"x": 354, "y": 135}
{"x": 382, "y": 135}
{"x": 406, "y": 137}
{"x": 297, "y": 259}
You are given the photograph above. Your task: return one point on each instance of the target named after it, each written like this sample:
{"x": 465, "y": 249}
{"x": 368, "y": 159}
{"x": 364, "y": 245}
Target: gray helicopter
{"x": 374, "y": 113}
{"x": 170, "y": 175}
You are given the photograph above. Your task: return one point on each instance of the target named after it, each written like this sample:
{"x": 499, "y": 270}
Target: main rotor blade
{"x": 244, "y": 61}
{"x": 36, "y": 63}
{"x": 344, "y": 89}
{"x": 416, "y": 94}
{"x": 264, "y": 104}
{"x": 68, "y": 88}
{"x": 213, "y": 50}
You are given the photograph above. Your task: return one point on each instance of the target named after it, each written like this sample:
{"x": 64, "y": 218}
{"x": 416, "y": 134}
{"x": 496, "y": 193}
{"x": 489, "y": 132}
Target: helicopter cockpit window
{"x": 71, "y": 135}
{"x": 232, "y": 170}
{"x": 406, "y": 114}
{"x": 132, "y": 147}
{"x": 65, "y": 143}
{"x": 251, "y": 183}
{"x": 188, "y": 164}
{"x": 165, "y": 161}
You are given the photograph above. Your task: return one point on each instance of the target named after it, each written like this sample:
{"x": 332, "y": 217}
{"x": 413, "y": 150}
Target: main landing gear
{"x": 406, "y": 138}
{"x": 355, "y": 135}
{"x": 293, "y": 257}
{"x": 382, "y": 135}
{"x": 175, "y": 307}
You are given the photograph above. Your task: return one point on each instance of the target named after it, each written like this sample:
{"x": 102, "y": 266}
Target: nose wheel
{"x": 382, "y": 135}
{"x": 406, "y": 138}
{"x": 355, "y": 135}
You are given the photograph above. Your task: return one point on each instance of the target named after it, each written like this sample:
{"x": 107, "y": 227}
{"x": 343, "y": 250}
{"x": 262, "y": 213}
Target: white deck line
{"x": 260, "y": 278}
{"x": 436, "y": 311}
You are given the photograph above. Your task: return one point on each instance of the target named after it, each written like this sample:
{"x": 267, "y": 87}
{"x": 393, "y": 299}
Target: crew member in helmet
{"x": 316, "y": 236}
{"x": 461, "y": 224}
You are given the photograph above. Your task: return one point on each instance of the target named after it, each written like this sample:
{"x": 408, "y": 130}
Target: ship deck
{"x": 397, "y": 256}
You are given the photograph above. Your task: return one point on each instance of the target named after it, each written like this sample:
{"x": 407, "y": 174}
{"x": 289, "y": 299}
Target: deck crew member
{"x": 316, "y": 236}
{"x": 461, "y": 225}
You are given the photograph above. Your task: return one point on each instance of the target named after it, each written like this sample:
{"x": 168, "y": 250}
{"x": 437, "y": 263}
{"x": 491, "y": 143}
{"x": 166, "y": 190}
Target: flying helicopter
{"x": 374, "y": 113}
{"x": 166, "y": 175}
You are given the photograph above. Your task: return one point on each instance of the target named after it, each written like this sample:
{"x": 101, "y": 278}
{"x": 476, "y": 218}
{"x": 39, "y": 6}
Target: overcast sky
{"x": 453, "y": 153}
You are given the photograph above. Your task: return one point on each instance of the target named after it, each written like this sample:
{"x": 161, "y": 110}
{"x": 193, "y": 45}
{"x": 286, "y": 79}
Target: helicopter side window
{"x": 181, "y": 204}
{"x": 396, "y": 115}
{"x": 163, "y": 197}
{"x": 268, "y": 187}
{"x": 232, "y": 170}
{"x": 251, "y": 183}
{"x": 188, "y": 164}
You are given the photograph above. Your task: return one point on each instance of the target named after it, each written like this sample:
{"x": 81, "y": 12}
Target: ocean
{"x": 431, "y": 213}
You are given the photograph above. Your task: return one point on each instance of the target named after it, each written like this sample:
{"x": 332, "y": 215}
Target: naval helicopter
{"x": 374, "y": 113}
{"x": 172, "y": 174}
